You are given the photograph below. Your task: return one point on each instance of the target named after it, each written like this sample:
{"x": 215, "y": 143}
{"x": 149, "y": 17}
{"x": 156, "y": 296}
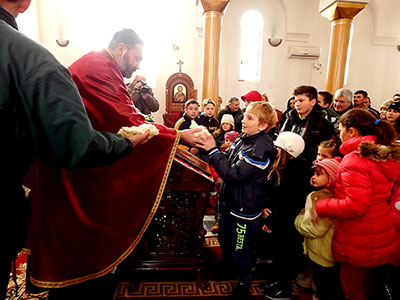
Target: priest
{"x": 98, "y": 216}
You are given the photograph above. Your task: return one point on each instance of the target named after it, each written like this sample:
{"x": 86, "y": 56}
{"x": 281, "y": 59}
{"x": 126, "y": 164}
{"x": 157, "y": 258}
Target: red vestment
{"x": 85, "y": 222}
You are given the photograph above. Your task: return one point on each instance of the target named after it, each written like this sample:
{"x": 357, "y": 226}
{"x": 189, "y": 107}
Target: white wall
{"x": 279, "y": 74}
{"x": 90, "y": 24}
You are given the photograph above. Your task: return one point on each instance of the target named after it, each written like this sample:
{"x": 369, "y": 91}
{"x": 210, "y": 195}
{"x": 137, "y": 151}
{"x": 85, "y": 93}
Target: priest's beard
{"x": 127, "y": 68}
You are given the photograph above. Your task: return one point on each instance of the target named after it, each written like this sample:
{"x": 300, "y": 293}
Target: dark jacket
{"x": 41, "y": 115}
{"x": 238, "y": 122}
{"x": 285, "y": 114}
{"x": 314, "y": 129}
{"x": 210, "y": 123}
{"x": 285, "y": 201}
{"x": 184, "y": 122}
{"x": 228, "y": 111}
{"x": 331, "y": 115}
{"x": 244, "y": 170}
{"x": 288, "y": 198}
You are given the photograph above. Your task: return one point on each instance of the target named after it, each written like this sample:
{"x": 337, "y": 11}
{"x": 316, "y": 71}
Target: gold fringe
{"x": 60, "y": 284}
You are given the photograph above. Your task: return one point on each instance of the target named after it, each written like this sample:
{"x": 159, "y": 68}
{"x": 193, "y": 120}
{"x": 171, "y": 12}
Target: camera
{"x": 144, "y": 88}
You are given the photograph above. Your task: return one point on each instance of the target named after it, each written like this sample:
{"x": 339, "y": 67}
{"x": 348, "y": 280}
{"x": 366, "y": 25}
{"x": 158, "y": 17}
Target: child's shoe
{"x": 265, "y": 285}
{"x": 278, "y": 293}
{"x": 241, "y": 291}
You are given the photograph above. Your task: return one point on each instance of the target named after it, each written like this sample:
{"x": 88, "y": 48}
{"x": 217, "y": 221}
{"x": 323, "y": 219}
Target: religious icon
{"x": 179, "y": 93}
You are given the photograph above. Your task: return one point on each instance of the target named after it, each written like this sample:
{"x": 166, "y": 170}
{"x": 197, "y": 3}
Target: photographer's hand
{"x": 138, "y": 85}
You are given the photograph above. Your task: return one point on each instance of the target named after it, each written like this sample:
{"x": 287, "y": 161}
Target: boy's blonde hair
{"x": 265, "y": 113}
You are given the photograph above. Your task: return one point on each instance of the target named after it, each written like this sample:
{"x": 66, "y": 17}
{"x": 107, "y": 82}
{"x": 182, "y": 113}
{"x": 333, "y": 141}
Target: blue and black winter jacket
{"x": 244, "y": 170}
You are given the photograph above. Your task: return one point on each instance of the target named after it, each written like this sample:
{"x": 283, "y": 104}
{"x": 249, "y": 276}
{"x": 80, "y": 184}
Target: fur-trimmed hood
{"x": 387, "y": 157}
{"x": 378, "y": 152}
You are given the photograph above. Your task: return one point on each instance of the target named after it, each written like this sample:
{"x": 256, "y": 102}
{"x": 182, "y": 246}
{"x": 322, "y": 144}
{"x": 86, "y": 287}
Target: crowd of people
{"x": 279, "y": 173}
{"x": 337, "y": 207}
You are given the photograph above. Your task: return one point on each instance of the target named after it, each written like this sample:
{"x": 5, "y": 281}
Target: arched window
{"x": 252, "y": 24}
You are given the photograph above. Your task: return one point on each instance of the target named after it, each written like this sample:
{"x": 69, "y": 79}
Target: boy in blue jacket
{"x": 243, "y": 170}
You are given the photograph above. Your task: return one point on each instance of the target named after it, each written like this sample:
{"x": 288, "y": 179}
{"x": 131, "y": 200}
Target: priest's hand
{"x": 206, "y": 141}
{"x": 190, "y": 136}
{"x": 140, "y": 139}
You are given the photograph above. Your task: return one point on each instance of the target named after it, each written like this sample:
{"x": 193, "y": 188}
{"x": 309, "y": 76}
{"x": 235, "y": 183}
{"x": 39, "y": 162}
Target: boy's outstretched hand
{"x": 189, "y": 137}
{"x": 206, "y": 141}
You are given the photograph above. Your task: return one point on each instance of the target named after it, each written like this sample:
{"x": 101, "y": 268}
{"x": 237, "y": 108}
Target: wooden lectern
{"x": 175, "y": 238}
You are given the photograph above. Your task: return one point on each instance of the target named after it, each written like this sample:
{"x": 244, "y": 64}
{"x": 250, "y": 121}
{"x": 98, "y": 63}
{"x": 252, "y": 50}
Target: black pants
{"x": 288, "y": 257}
{"x": 327, "y": 282}
{"x": 237, "y": 240}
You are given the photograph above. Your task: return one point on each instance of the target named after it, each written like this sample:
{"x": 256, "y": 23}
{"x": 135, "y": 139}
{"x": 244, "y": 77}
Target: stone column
{"x": 341, "y": 14}
{"x": 213, "y": 11}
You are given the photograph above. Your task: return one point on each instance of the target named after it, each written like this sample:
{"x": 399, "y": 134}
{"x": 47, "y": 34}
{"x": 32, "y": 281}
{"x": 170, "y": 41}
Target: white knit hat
{"x": 227, "y": 118}
{"x": 291, "y": 142}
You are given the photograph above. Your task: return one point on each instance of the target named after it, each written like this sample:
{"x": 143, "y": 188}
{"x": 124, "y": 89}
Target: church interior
{"x": 173, "y": 31}
{"x": 221, "y": 48}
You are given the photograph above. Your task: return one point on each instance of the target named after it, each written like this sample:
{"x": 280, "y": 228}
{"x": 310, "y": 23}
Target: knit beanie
{"x": 253, "y": 96}
{"x": 386, "y": 104}
{"x": 330, "y": 165}
{"x": 291, "y": 142}
{"x": 231, "y": 135}
{"x": 227, "y": 118}
{"x": 395, "y": 106}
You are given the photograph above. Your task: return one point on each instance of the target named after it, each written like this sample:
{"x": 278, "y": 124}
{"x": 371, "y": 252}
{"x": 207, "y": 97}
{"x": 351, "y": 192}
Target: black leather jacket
{"x": 314, "y": 129}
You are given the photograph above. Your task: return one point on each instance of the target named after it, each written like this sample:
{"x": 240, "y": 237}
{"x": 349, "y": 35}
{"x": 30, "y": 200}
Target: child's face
{"x": 344, "y": 133}
{"x": 228, "y": 143}
{"x": 392, "y": 115}
{"x": 320, "y": 178}
{"x": 324, "y": 153}
{"x": 251, "y": 124}
{"x": 192, "y": 111}
{"x": 291, "y": 103}
{"x": 246, "y": 103}
{"x": 209, "y": 110}
{"x": 304, "y": 105}
{"x": 226, "y": 127}
{"x": 321, "y": 101}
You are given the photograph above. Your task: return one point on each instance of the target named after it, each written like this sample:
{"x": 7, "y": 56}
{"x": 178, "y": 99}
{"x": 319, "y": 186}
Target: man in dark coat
{"x": 233, "y": 108}
{"x": 41, "y": 115}
{"x": 307, "y": 121}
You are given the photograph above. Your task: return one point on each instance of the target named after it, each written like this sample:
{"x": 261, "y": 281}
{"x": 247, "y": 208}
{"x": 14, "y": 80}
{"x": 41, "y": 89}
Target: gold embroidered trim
{"x": 60, "y": 284}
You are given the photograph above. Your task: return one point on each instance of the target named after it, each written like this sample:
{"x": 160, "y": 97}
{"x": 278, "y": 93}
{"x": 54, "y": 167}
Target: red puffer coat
{"x": 365, "y": 234}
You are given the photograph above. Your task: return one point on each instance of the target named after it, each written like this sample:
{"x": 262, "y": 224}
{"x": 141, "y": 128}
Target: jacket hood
{"x": 352, "y": 144}
{"x": 386, "y": 157}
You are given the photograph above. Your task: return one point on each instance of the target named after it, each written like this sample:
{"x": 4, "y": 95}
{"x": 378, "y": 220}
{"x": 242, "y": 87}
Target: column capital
{"x": 214, "y": 5}
{"x": 343, "y": 9}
